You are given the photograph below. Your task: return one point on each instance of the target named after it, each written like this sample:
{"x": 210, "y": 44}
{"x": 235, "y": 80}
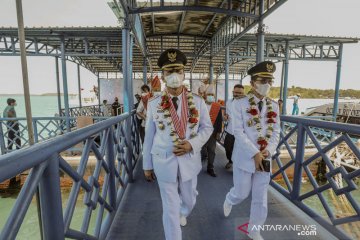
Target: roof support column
{"x": 211, "y": 67}
{"x": 98, "y": 90}
{"x": 144, "y": 71}
{"x": 211, "y": 71}
{"x": 127, "y": 44}
{"x": 241, "y": 79}
{"x": 282, "y": 81}
{"x": 260, "y": 35}
{"x": 226, "y": 75}
{"x": 21, "y": 32}
{"x": 286, "y": 75}
{"x": 79, "y": 84}
{"x": 337, "y": 84}
{"x": 191, "y": 82}
{"x": 58, "y": 84}
{"x": 64, "y": 76}
{"x": 29, "y": 121}
{"x": 216, "y": 91}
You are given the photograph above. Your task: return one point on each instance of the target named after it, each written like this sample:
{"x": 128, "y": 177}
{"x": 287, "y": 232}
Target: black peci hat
{"x": 264, "y": 69}
{"x": 172, "y": 58}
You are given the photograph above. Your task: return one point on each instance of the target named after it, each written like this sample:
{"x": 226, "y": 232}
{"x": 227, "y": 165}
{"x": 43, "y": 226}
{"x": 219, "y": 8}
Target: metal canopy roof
{"x": 201, "y": 29}
{"x": 197, "y": 18}
{"x": 99, "y": 49}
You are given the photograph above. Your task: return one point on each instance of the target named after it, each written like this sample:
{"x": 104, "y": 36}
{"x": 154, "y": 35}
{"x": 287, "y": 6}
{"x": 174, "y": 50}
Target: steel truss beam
{"x": 135, "y": 24}
{"x": 213, "y": 18}
{"x": 234, "y": 28}
{"x": 226, "y": 11}
{"x": 182, "y": 19}
{"x": 276, "y": 51}
{"x": 78, "y": 49}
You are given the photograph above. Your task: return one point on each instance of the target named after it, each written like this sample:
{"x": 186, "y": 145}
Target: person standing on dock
{"x": 104, "y": 109}
{"x": 208, "y": 150}
{"x": 177, "y": 126}
{"x": 280, "y": 103}
{"x": 295, "y": 110}
{"x": 256, "y": 127}
{"x": 141, "y": 109}
{"x": 115, "y": 107}
{"x": 12, "y": 125}
{"x": 238, "y": 93}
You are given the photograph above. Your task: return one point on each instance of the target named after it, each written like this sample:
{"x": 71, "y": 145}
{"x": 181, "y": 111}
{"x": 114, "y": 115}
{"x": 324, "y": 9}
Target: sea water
{"x": 41, "y": 106}
{"x": 47, "y": 106}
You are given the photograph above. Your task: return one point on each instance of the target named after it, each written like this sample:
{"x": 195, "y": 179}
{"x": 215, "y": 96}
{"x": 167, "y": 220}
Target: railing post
{"x": 111, "y": 158}
{"x": 286, "y": 76}
{"x": 2, "y": 139}
{"x": 50, "y": 198}
{"x": 79, "y": 85}
{"x": 260, "y": 35}
{"x": 337, "y": 84}
{"x": 227, "y": 62}
{"x": 127, "y": 43}
{"x": 36, "y": 136}
{"x": 65, "y": 86}
{"x": 58, "y": 84}
{"x": 300, "y": 149}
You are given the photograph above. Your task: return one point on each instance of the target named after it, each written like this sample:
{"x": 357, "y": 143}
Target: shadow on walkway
{"x": 140, "y": 214}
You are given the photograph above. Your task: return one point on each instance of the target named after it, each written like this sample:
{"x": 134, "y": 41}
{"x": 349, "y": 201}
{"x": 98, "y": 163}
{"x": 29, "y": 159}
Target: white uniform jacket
{"x": 245, "y": 146}
{"x": 228, "y": 112}
{"x": 158, "y": 145}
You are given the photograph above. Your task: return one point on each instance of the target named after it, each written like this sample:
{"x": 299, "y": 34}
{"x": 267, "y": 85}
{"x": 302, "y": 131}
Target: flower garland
{"x": 255, "y": 121}
{"x": 193, "y": 116}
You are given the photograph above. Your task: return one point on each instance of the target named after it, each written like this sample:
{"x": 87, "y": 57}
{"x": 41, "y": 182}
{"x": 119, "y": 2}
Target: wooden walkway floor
{"x": 140, "y": 214}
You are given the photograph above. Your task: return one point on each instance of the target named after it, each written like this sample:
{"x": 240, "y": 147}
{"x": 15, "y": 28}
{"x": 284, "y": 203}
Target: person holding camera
{"x": 256, "y": 127}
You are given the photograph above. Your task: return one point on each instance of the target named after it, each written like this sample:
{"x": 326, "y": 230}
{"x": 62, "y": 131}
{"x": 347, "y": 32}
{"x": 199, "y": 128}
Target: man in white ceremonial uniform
{"x": 177, "y": 126}
{"x": 256, "y": 127}
{"x": 238, "y": 93}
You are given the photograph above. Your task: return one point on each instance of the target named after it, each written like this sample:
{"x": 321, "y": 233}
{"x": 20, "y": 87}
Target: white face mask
{"x": 210, "y": 99}
{"x": 263, "y": 89}
{"x": 174, "y": 80}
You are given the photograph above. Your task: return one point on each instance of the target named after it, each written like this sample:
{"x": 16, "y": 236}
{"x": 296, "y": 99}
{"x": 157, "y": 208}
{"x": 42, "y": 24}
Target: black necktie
{"x": 260, "y": 105}
{"x": 174, "y": 100}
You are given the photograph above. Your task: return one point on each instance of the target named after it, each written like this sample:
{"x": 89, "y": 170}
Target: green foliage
{"x": 312, "y": 93}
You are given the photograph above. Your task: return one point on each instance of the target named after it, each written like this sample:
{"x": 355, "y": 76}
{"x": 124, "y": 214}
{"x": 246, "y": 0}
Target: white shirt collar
{"x": 257, "y": 100}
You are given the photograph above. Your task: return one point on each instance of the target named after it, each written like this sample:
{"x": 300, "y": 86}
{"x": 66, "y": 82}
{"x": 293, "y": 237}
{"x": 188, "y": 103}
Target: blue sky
{"x": 311, "y": 17}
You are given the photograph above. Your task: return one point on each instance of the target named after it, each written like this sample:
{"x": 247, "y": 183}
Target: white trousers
{"x": 177, "y": 198}
{"x": 258, "y": 182}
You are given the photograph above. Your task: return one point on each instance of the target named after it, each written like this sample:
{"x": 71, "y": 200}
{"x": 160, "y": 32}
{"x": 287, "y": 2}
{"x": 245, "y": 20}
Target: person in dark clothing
{"x": 12, "y": 125}
{"x": 115, "y": 107}
{"x": 238, "y": 92}
{"x": 138, "y": 99}
{"x": 142, "y": 108}
{"x": 208, "y": 150}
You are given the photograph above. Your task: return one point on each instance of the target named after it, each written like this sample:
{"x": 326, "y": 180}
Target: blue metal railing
{"x": 44, "y": 129}
{"x": 115, "y": 156}
{"x": 93, "y": 110}
{"x": 299, "y": 164}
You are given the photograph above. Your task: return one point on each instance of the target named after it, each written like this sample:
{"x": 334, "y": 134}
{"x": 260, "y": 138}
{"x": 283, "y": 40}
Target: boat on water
{"x": 348, "y": 112}
{"x": 88, "y": 98}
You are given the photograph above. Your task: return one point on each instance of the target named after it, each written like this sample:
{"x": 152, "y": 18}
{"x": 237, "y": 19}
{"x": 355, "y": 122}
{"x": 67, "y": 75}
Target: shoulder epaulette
{"x": 154, "y": 97}
{"x": 272, "y": 100}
